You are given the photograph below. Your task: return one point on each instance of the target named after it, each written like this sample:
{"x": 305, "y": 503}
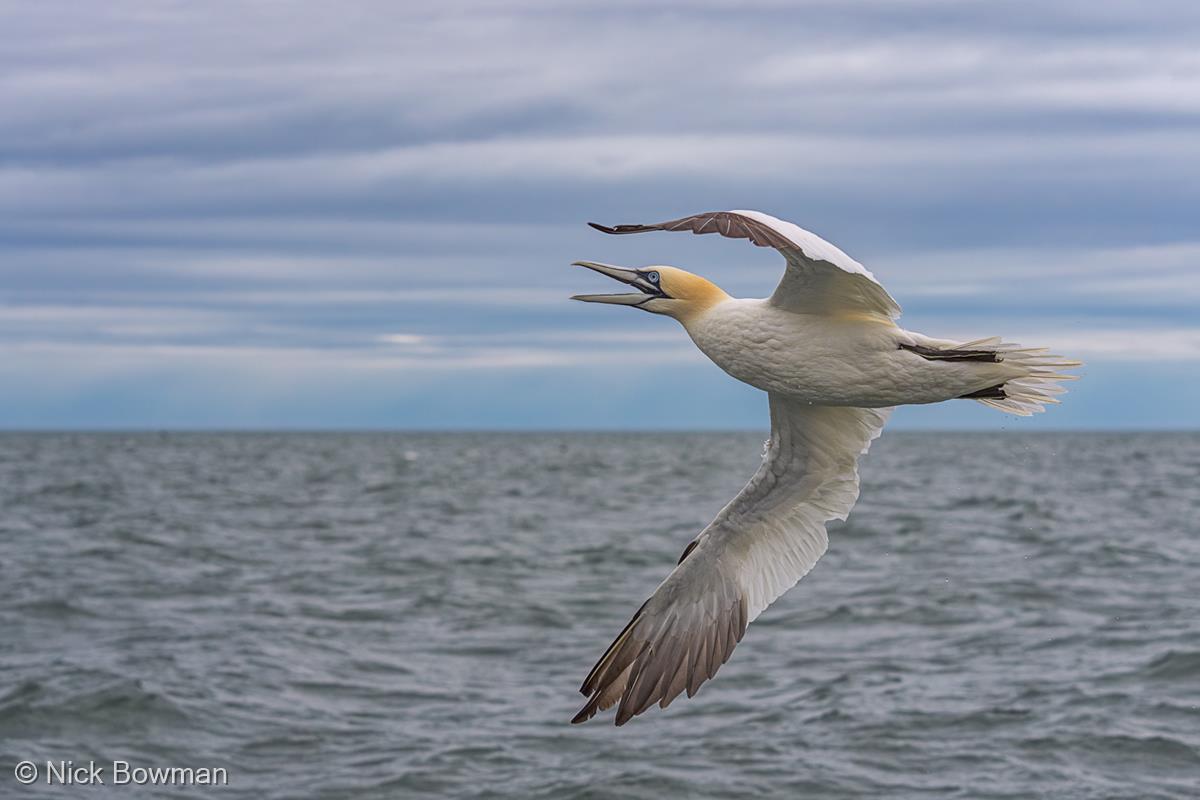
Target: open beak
{"x": 648, "y": 291}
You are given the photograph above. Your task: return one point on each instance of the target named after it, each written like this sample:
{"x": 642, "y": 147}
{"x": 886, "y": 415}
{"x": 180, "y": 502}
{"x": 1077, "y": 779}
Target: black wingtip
{"x": 625, "y": 228}
{"x": 587, "y": 712}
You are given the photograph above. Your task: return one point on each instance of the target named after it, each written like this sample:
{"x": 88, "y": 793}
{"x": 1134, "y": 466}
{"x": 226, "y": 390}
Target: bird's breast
{"x": 813, "y": 358}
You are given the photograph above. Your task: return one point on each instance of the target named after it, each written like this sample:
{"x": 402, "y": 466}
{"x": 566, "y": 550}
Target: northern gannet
{"x": 826, "y": 349}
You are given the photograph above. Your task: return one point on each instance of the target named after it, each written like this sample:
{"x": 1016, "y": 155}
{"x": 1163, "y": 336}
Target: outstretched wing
{"x": 820, "y": 278}
{"x": 756, "y": 548}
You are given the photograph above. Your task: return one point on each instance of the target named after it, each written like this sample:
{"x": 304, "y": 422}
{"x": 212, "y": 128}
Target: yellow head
{"x": 661, "y": 290}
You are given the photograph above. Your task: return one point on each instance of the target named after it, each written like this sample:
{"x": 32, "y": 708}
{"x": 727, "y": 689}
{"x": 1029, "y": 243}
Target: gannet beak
{"x": 629, "y": 276}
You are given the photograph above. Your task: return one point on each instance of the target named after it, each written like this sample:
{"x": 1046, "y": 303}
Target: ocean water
{"x": 401, "y": 615}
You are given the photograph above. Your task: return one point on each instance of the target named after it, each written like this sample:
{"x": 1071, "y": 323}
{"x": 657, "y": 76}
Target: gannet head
{"x": 661, "y": 290}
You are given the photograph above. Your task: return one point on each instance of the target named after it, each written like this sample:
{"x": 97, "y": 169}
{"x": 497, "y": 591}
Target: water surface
{"x": 403, "y": 615}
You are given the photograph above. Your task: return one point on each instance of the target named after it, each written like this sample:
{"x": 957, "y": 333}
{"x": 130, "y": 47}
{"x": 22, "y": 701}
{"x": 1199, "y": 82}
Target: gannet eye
{"x": 652, "y": 276}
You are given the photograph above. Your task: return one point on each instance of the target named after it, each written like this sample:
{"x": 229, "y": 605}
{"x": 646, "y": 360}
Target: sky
{"x": 362, "y": 214}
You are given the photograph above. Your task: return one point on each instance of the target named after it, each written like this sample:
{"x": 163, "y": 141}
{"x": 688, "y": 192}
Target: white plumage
{"x": 827, "y": 351}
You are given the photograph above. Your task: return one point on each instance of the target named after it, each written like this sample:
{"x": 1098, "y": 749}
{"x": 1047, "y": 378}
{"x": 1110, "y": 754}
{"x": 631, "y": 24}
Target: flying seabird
{"x": 826, "y": 349}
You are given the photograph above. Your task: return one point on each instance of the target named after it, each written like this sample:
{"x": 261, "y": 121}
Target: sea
{"x": 410, "y": 615}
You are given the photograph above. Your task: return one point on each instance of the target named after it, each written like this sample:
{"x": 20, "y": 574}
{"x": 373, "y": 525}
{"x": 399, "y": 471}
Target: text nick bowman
{"x": 120, "y": 773}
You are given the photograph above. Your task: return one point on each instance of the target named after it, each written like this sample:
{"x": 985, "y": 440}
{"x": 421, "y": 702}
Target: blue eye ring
{"x": 652, "y": 276}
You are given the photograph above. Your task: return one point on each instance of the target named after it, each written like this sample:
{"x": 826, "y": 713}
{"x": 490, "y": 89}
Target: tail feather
{"x": 1032, "y": 391}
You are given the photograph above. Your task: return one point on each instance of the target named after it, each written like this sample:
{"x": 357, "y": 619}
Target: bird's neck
{"x": 702, "y": 295}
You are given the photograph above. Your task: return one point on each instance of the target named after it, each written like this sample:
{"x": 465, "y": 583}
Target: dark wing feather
{"x": 652, "y": 660}
{"x": 726, "y": 223}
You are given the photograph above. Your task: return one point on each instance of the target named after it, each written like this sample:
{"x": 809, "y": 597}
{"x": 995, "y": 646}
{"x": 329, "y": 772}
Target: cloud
{"x": 187, "y": 189}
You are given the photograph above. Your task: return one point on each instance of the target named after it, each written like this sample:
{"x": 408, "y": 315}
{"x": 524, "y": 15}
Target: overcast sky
{"x": 362, "y": 214}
